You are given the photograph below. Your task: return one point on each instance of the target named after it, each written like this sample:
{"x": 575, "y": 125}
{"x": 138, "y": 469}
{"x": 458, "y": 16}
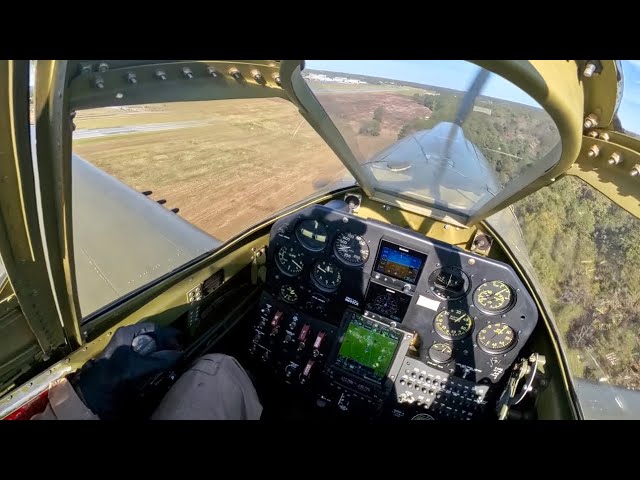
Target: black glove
{"x": 108, "y": 383}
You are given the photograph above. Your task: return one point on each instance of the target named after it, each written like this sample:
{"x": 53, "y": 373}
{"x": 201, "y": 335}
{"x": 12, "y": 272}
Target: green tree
{"x": 378, "y": 113}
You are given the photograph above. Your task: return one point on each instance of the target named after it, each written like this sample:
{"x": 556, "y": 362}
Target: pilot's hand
{"x": 107, "y": 383}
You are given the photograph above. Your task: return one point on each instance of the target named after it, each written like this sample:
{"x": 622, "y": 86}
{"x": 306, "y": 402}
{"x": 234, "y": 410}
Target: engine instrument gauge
{"x": 496, "y": 338}
{"x": 312, "y": 235}
{"x": 453, "y": 324}
{"x": 290, "y": 260}
{"x": 288, "y": 293}
{"x": 441, "y": 352}
{"x": 448, "y": 283}
{"x": 494, "y": 297}
{"x": 352, "y": 249}
{"x": 327, "y": 274}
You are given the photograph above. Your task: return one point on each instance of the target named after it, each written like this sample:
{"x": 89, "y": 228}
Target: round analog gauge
{"x": 496, "y": 338}
{"x": 441, "y": 352}
{"x": 453, "y": 324}
{"x": 448, "y": 283}
{"x": 288, "y": 293}
{"x": 327, "y": 274}
{"x": 422, "y": 416}
{"x": 386, "y": 305}
{"x": 289, "y": 259}
{"x": 312, "y": 235}
{"x": 352, "y": 249}
{"x": 493, "y": 297}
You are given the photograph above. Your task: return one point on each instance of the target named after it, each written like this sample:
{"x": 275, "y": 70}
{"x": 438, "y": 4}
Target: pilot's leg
{"x": 216, "y": 387}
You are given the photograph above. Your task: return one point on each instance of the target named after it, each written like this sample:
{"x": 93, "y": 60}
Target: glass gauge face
{"x": 496, "y": 338}
{"x": 289, "y": 259}
{"x": 327, "y": 274}
{"x": 441, "y": 352}
{"x": 453, "y": 324}
{"x": 312, "y": 235}
{"x": 288, "y": 294}
{"x": 493, "y": 297}
{"x": 386, "y": 305}
{"x": 352, "y": 249}
{"x": 448, "y": 282}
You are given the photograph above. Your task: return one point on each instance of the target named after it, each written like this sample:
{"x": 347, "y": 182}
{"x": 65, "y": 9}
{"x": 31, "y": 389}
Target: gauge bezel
{"x": 494, "y": 352}
{"x": 449, "y": 337}
{"x": 451, "y": 357}
{"x": 281, "y": 268}
{"x": 503, "y": 310}
{"x": 342, "y": 260}
{"x": 283, "y": 297}
{"x": 301, "y": 238}
{"x": 433, "y": 275}
{"x": 318, "y": 283}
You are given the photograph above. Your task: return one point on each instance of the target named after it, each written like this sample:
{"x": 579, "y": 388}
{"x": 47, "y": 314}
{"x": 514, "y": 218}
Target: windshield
{"x": 627, "y": 119}
{"x": 446, "y": 133}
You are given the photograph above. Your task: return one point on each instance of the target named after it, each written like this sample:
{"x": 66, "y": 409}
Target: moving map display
{"x": 368, "y": 348}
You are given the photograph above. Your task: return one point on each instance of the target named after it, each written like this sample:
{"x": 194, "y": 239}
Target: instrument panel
{"x": 386, "y": 313}
{"x": 472, "y": 313}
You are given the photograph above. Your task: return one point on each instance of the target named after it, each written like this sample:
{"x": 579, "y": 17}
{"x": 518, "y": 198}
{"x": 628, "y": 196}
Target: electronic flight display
{"x": 368, "y": 348}
{"x": 400, "y": 262}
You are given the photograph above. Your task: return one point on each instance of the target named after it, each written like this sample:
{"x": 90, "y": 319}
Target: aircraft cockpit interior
{"x": 425, "y": 246}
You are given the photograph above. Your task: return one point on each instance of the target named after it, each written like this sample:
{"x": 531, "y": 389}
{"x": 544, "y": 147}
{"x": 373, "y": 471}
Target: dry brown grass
{"x": 248, "y": 158}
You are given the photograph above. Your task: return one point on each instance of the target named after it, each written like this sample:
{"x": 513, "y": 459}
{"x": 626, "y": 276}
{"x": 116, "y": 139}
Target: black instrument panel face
{"x": 472, "y": 314}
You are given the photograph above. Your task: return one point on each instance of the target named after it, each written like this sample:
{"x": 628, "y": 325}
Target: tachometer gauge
{"x": 289, "y": 259}
{"x": 448, "y": 283}
{"x": 327, "y": 274}
{"x": 312, "y": 235}
{"x": 352, "y": 249}
{"x": 288, "y": 294}
{"x": 453, "y": 324}
{"x": 441, "y": 352}
{"x": 496, "y": 338}
{"x": 493, "y": 297}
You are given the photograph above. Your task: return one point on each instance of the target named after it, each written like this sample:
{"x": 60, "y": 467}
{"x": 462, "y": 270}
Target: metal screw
{"x": 98, "y": 82}
{"x": 471, "y": 261}
{"x": 85, "y": 70}
{"x": 119, "y": 95}
{"x": 212, "y": 71}
{"x": 446, "y": 226}
{"x": 593, "y": 151}
{"x": 103, "y": 67}
{"x": 186, "y": 71}
{"x": 161, "y": 74}
{"x": 589, "y": 70}
{"x": 345, "y": 220}
{"x": 604, "y": 136}
{"x": 591, "y": 121}
{"x": 235, "y": 73}
{"x": 131, "y": 78}
{"x": 257, "y": 76}
{"x": 276, "y": 78}
{"x": 615, "y": 159}
{"x": 593, "y": 134}
{"x": 635, "y": 171}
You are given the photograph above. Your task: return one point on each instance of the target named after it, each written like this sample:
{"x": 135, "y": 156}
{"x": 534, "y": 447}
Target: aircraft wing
{"x": 123, "y": 239}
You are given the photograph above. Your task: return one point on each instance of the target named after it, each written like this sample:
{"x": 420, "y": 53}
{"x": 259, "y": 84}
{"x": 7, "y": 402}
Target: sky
{"x": 458, "y": 74}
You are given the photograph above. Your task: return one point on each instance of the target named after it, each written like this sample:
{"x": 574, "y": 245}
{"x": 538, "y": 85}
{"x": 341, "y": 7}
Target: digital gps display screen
{"x": 400, "y": 262}
{"x": 368, "y": 348}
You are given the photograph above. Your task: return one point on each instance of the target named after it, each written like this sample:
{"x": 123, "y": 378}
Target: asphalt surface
{"x": 129, "y": 129}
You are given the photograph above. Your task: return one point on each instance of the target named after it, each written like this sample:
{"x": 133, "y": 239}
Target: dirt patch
{"x": 350, "y": 109}
{"x": 249, "y": 158}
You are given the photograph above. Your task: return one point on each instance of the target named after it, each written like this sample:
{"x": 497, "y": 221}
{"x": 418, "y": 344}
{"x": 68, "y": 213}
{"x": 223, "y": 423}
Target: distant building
{"x": 321, "y": 77}
{"x": 482, "y": 110}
